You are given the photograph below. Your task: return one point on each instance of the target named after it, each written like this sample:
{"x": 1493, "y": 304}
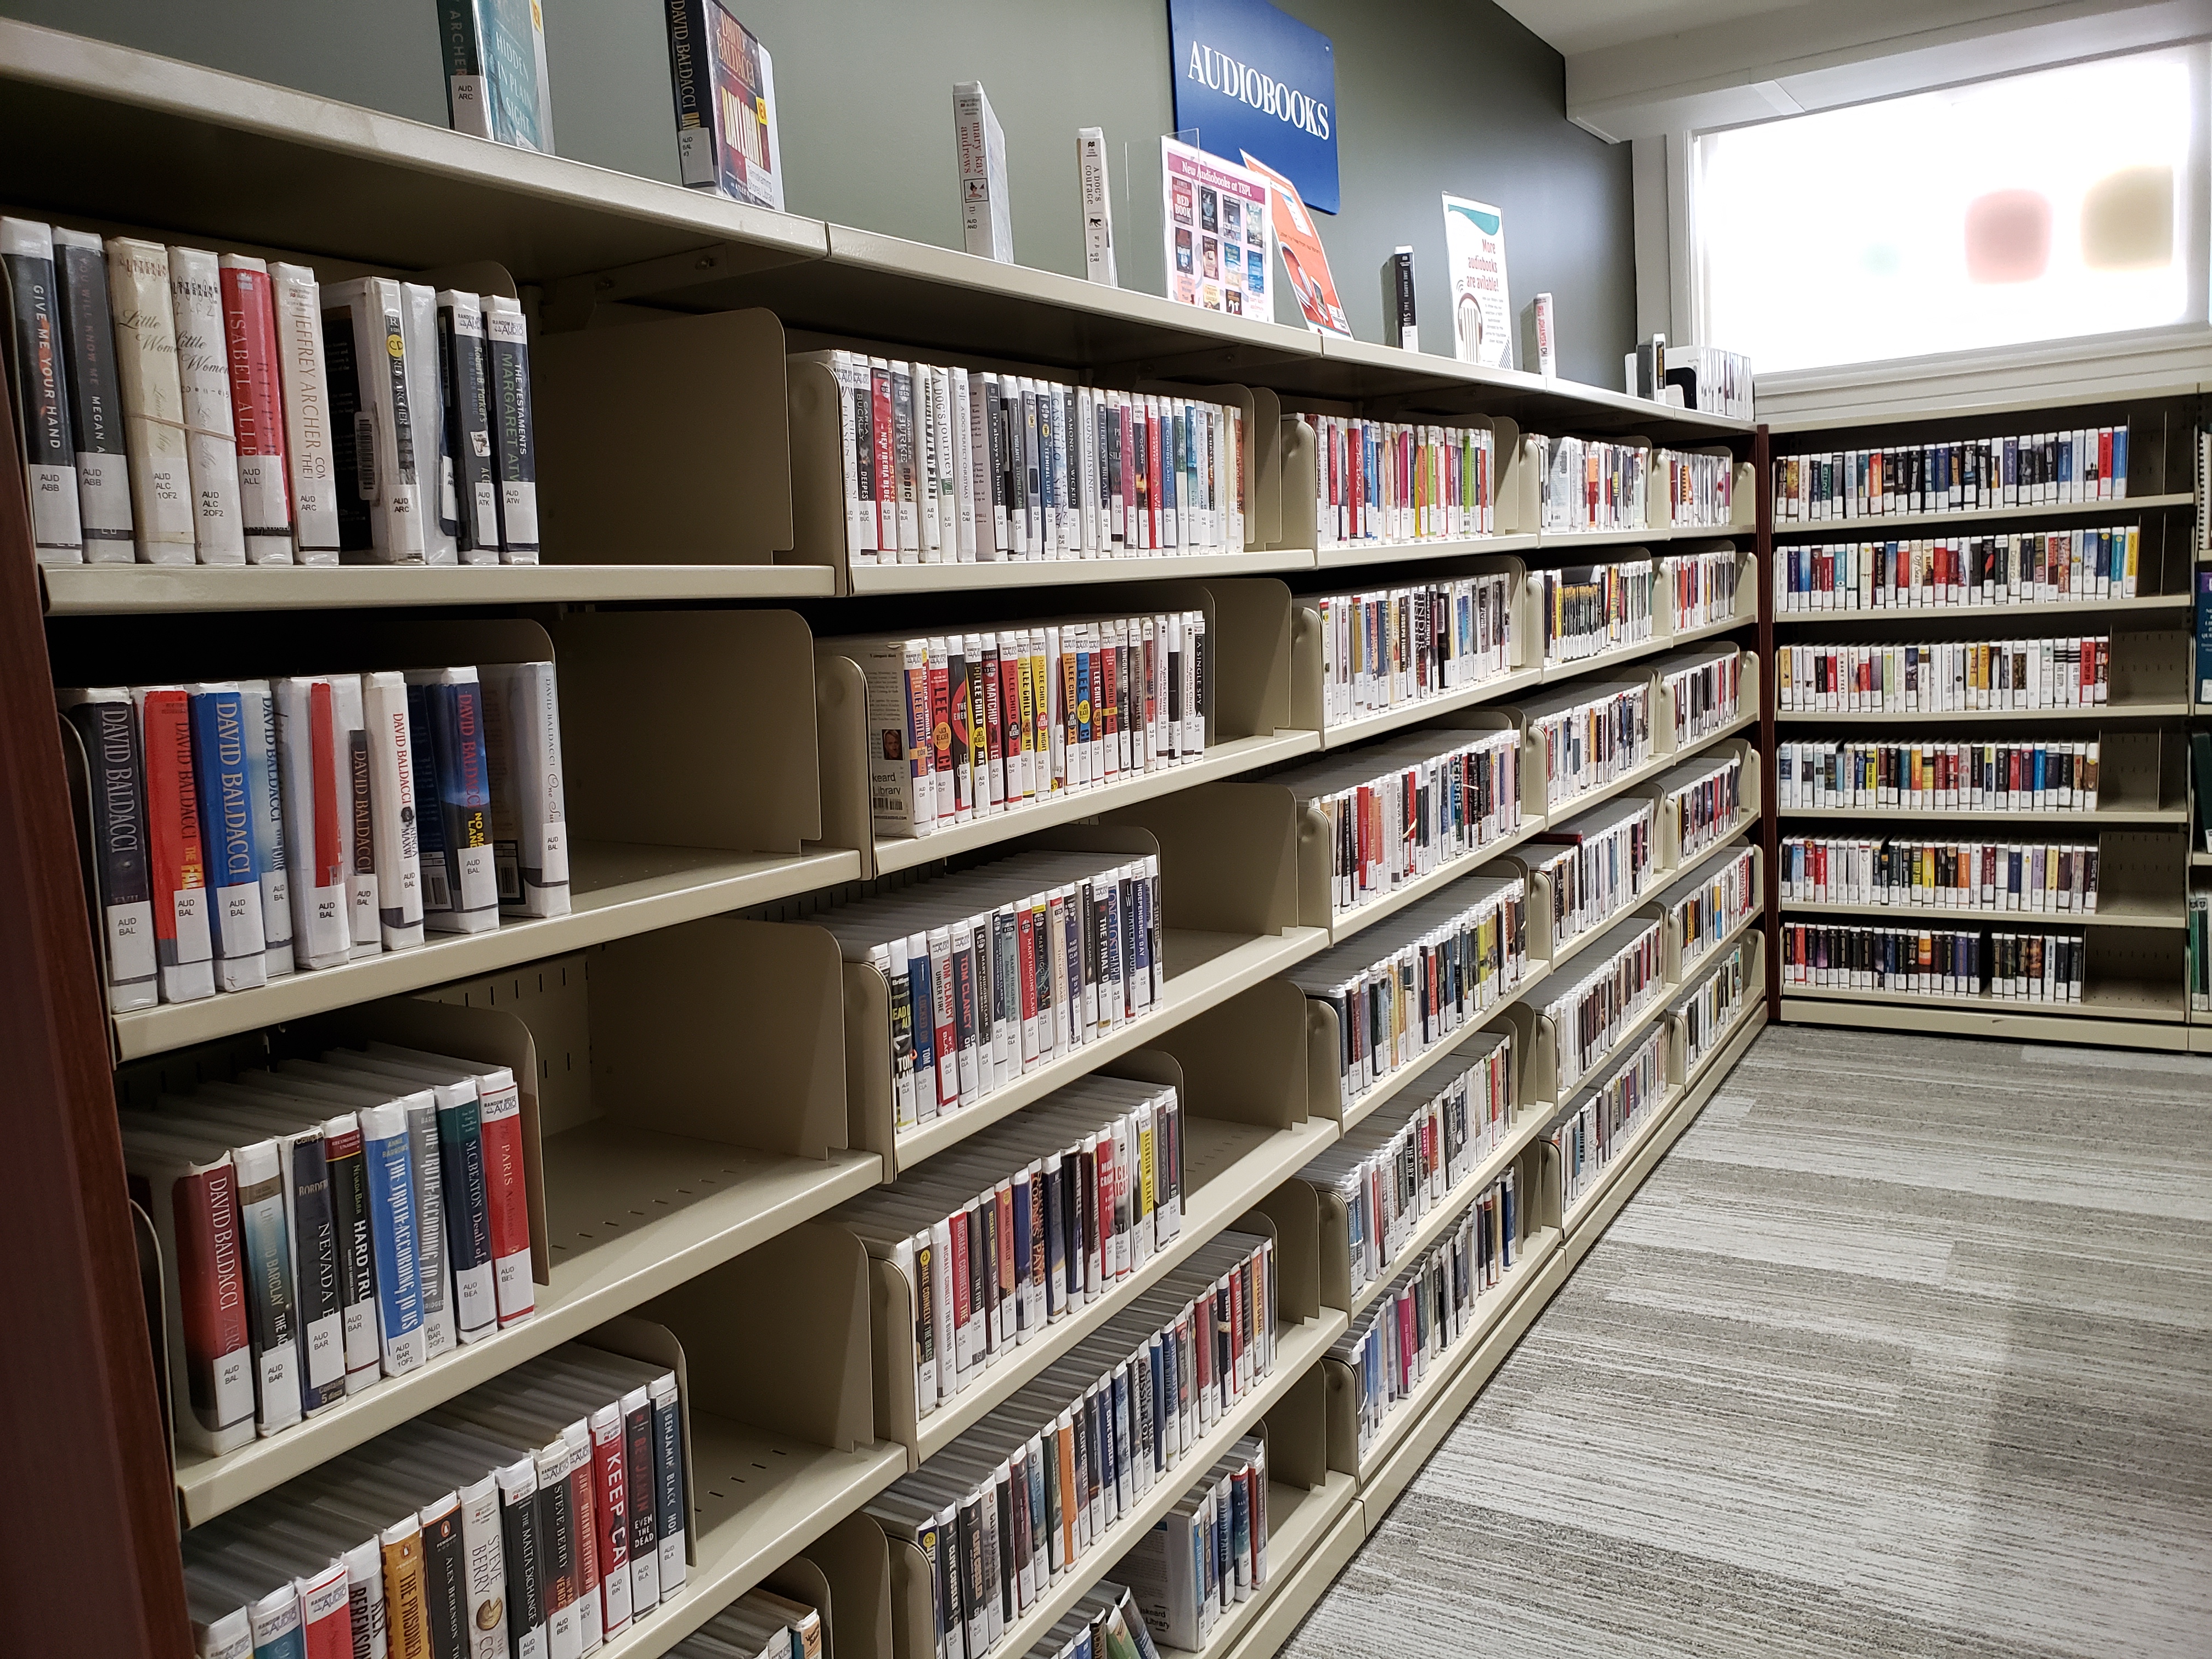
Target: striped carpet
{"x": 1903, "y": 1350}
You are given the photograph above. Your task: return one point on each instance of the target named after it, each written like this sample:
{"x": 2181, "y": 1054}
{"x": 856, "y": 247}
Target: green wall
{"x": 1432, "y": 95}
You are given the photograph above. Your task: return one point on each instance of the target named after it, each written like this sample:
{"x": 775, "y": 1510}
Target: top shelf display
{"x": 264, "y": 165}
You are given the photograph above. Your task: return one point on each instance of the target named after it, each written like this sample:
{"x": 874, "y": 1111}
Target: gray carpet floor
{"x": 1903, "y": 1350}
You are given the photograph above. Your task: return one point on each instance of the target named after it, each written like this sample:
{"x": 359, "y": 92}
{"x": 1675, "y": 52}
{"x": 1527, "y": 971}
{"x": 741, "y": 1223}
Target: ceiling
{"x": 1572, "y": 26}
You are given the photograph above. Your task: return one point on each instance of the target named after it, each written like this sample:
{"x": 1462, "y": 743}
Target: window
{"x": 2039, "y": 207}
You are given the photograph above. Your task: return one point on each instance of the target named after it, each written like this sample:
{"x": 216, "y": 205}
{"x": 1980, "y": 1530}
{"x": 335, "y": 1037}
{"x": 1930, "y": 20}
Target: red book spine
{"x": 1152, "y": 476}
{"x": 885, "y": 460}
{"x": 920, "y": 744}
{"x": 249, "y": 316}
{"x": 211, "y": 1290}
{"x": 1025, "y": 938}
{"x": 585, "y": 1515}
{"x": 610, "y": 1501}
{"x": 1013, "y": 730}
{"x": 322, "y": 739}
{"x": 172, "y": 822}
{"x": 507, "y": 1199}
{"x": 992, "y": 787}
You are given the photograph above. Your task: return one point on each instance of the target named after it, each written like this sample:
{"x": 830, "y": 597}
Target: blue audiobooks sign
{"x": 1250, "y": 77}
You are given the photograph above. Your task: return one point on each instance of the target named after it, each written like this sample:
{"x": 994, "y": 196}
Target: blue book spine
{"x": 391, "y": 1223}
{"x": 2119, "y": 460}
{"x": 265, "y": 799}
{"x": 430, "y": 822}
{"x": 228, "y": 838}
{"x": 464, "y": 798}
{"x": 2204, "y": 646}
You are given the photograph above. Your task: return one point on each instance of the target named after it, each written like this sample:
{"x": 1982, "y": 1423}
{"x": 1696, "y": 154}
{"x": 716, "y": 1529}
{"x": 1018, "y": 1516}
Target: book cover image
{"x": 1304, "y": 259}
{"x": 725, "y": 105}
{"x": 1216, "y": 225}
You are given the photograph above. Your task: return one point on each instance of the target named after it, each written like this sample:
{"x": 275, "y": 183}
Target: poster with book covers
{"x": 1474, "y": 256}
{"x": 1214, "y": 220}
{"x": 1304, "y": 259}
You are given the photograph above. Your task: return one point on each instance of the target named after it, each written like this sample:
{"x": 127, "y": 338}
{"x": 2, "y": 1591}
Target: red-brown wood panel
{"x": 88, "y": 1561}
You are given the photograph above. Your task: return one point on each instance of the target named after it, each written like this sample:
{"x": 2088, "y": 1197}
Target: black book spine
{"x": 350, "y": 445}
{"x": 42, "y": 405}
{"x": 526, "y": 1575}
{"x": 445, "y": 1587}
{"x": 95, "y": 398}
{"x": 109, "y": 727}
{"x": 317, "y": 1276}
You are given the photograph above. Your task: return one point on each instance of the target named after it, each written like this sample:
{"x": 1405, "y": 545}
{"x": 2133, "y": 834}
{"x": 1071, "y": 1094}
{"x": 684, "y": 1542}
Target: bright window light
{"x": 2039, "y": 207}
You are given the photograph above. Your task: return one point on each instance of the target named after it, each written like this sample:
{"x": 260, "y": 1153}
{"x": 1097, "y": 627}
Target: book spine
{"x": 203, "y": 375}
{"x": 406, "y": 1602}
{"x": 392, "y": 1222}
{"x": 514, "y": 433}
{"x": 271, "y": 1311}
{"x": 669, "y": 1481}
{"x": 326, "y": 1613}
{"x": 310, "y": 431}
{"x": 42, "y": 406}
{"x": 217, "y": 1409}
{"x": 611, "y": 1517}
{"x": 265, "y": 803}
{"x": 108, "y": 725}
{"x": 468, "y": 1217}
{"x": 96, "y": 400}
{"x": 463, "y": 797}
{"x": 523, "y": 725}
{"x": 394, "y": 810}
{"x": 468, "y": 101}
{"x": 576, "y": 1443}
{"x": 1398, "y": 324}
{"x": 310, "y": 757}
{"x": 319, "y": 1279}
{"x": 257, "y": 411}
{"x": 445, "y": 1576}
{"x": 434, "y": 1281}
{"x": 364, "y": 1566}
{"x": 153, "y": 400}
{"x": 464, "y": 371}
{"x": 1097, "y": 206}
{"x": 276, "y": 1622}
{"x": 229, "y": 836}
{"x": 356, "y": 806}
{"x": 520, "y": 1548}
{"x": 352, "y": 419}
{"x": 642, "y": 1505}
{"x": 969, "y": 115}
{"x": 482, "y": 1536}
{"x": 690, "y": 63}
{"x": 507, "y": 1195}
{"x": 347, "y": 1163}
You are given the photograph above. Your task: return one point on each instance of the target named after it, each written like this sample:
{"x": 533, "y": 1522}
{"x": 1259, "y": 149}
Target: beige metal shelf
{"x": 1296, "y": 1349}
{"x": 1365, "y": 726}
{"x": 1353, "y": 555}
{"x": 1203, "y": 970}
{"x": 1249, "y": 1162}
{"x": 2035, "y": 1023}
{"x": 757, "y": 1500}
{"x": 1795, "y": 530}
{"x": 1447, "y": 1212}
{"x": 2109, "y": 913}
{"x": 107, "y": 590}
{"x": 1016, "y": 575}
{"x": 2143, "y": 710}
{"x": 1221, "y": 760}
{"x": 2141, "y": 999}
{"x": 2143, "y": 604}
{"x": 2092, "y": 816}
{"x": 1299, "y": 1520}
{"x": 704, "y": 1202}
{"x": 619, "y": 889}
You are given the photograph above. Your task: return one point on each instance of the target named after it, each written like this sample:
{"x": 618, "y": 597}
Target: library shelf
{"x": 705, "y": 1202}
{"x": 2111, "y": 911}
{"x": 1296, "y": 1348}
{"x": 1917, "y": 615}
{"x": 619, "y": 889}
{"x": 1019, "y": 574}
{"x": 2122, "y": 813}
{"x": 2025, "y": 1022}
{"x": 92, "y": 590}
{"x": 1221, "y": 760}
{"x": 2144, "y": 709}
{"x": 1299, "y": 1520}
{"x": 1869, "y": 529}
{"x": 1240, "y": 1163}
{"x": 1447, "y": 1212}
{"x": 1203, "y": 970}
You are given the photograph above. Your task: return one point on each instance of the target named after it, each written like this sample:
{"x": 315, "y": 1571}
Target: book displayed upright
{"x": 725, "y": 85}
{"x": 1474, "y": 262}
{"x": 95, "y": 398}
{"x": 1399, "y": 327}
{"x": 986, "y": 216}
{"x": 496, "y": 86}
{"x": 42, "y": 410}
{"x": 1097, "y": 206}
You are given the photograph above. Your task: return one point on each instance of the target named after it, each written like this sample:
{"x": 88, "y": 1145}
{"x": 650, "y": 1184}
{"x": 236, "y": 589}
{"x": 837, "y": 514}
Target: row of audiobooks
{"x": 327, "y": 1224}
{"x": 998, "y": 970}
{"x": 1389, "y": 647}
{"x": 1398, "y": 1338}
{"x": 1419, "y": 978}
{"x": 1594, "y": 867}
{"x": 947, "y": 465}
{"x": 1933, "y": 777}
{"x": 1702, "y": 916}
{"x": 1621, "y": 980}
{"x": 1207, "y": 1553}
{"x": 1945, "y": 676}
{"x": 2053, "y": 567}
{"x": 968, "y": 725}
{"x": 1934, "y": 962}
{"x": 1017, "y": 1502}
{"x": 1392, "y": 481}
{"x": 1031, "y": 1220}
{"x": 1953, "y": 875}
{"x": 181, "y": 407}
{"x": 1407, "y": 1162}
{"x": 536, "y": 1516}
{"x": 244, "y": 829}
{"x": 1588, "y": 484}
{"x": 1399, "y": 810}
{"x": 2042, "y": 469}
{"x": 1593, "y": 608}
{"x": 1705, "y": 689}
{"x": 1705, "y": 1018}
{"x": 1595, "y": 1131}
